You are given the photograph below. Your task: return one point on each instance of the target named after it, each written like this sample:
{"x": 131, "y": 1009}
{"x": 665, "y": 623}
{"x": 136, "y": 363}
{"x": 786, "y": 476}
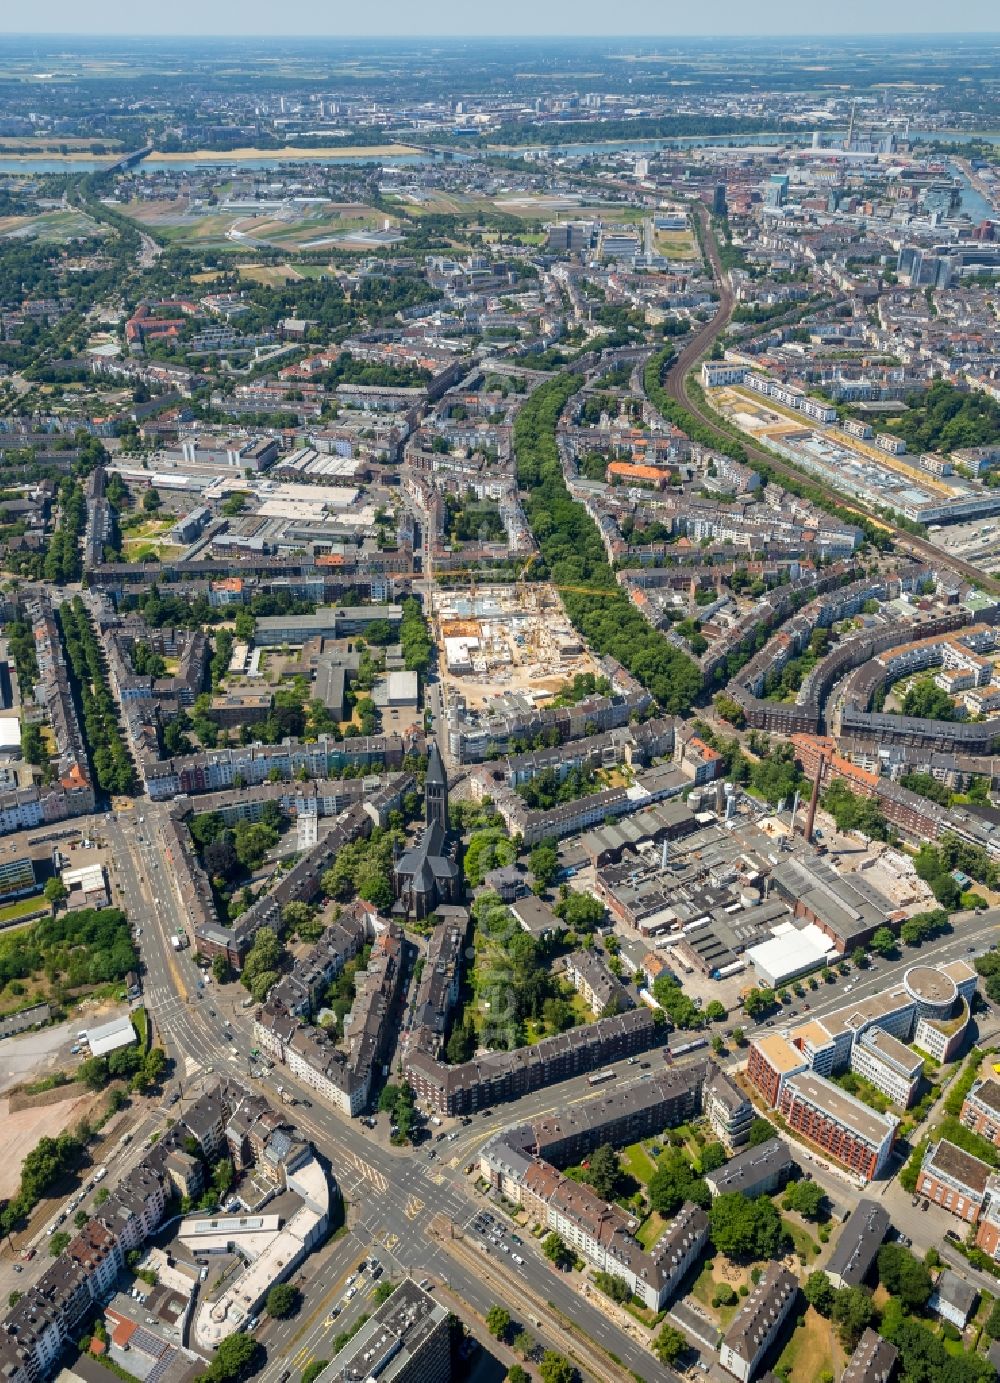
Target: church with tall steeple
{"x": 428, "y": 873}
{"x": 436, "y": 789}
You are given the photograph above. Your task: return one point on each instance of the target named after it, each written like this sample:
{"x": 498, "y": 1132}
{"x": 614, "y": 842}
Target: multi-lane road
{"x": 397, "y": 1200}
{"x": 392, "y": 1195}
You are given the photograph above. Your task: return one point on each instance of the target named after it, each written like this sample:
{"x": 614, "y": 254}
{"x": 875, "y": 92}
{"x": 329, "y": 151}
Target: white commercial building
{"x": 277, "y": 1256}
{"x": 110, "y": 1036}
{"x": 790, "y": 952}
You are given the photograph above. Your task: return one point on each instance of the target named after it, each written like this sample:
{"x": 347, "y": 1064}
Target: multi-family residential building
{"x": 754, "y": 1171}
{"x": 440, "y": 980}
{"x": 873, "y": 1361}
{"x": 342, "y": 1075}
{"x": 838, "y": 1123}
{"x": 988, "y": 1233}
{"x": 49, "y": 1315}
{"x": 591, "y": 976}
{"x": 888, "y": 1064}
{"x": 728, "y": 1110}
{"x": 930, "y": 1008}
{"x": 857, "y": 1248}
{"x": 953, "y": 1299}
{"x": 954, "y": 1179}
{"x": 494, "y": 1077}
{"x": 981, "y": 1110}
{"x": 756, "y": 1324}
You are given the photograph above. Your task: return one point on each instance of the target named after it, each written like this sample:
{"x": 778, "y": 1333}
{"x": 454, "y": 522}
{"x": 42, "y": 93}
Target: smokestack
{"x": 664, "y": 854}
{"x": 792, "y": 815}
{"x": 813, "y": 800}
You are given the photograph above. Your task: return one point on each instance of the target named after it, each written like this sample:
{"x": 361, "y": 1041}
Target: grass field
{"x": 24, "y": 907}
{"x": 805, "y": 1245}
{"x": 812, "y": 1347}
{"x": 291, "y": 227}
{"x": 637, "y": 1162}
{"x": 271, "y": 275}
{"x": 137, "y": 550}
{"x": 57, "y": 227}
{"x": 676, "y": 244}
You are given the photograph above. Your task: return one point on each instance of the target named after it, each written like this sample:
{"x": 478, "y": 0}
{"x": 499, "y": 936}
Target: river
{"x": 268, "y": 161}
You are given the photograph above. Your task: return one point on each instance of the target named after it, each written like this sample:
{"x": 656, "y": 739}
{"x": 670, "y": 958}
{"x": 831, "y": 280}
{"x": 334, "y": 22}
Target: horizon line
{"x": 507, "y": 38}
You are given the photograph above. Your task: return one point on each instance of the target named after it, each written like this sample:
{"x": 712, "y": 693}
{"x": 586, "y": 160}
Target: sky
{"x": 510, "y": 18}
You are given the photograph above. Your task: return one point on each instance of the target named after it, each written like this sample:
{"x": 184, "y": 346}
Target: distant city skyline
{"x": 517, "y": 18}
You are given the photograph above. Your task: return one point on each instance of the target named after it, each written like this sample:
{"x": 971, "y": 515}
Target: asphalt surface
{"x": 392, "y": 1195}
{"x": 701, "y": 343}
{"x": 394, "y": 1198}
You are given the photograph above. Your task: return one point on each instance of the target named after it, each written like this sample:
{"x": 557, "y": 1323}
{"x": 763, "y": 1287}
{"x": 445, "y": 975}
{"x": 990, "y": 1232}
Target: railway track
{"x": 674, "y": 385}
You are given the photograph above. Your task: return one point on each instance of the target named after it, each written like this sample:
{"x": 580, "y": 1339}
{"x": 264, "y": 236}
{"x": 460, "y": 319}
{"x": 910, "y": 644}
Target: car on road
{"x": 19, "y": 1267}
{"x": 253, "y": 1322}
{"x": 518, "y": 1259}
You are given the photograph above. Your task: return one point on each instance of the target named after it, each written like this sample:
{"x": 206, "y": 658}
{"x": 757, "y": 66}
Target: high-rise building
{"x": 407, "y": 1340}
{"x": 719, "y": 200}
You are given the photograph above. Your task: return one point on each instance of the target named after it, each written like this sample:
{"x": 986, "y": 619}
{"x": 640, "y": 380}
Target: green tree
{"x": 760, "y": 1131}
{"x": 312, "y": 1371}
{"x": 581, "y": 912}
{"x": 993, "y": 1322}
{"x": 58, "y": 1242}
{"x": 234, "y": 1359}
{"x": 516, "y": 1374}
{"x": 151, "y": 501}
{"x": 221, "y": 972}
{"x": 523, "y": 1343}
{"x": 605, "y": 1172}
{"x": 713, "y": 1156}
{"x": 669, "y": 1345}
{"x": 853, "y": 1311}
{"x": 819, "y": 1292}
{"x": 54, "y": 892}
{"x": 544, "y": 863}
{"x": 262, "y": 963}
{"x": 806, "y": 1197}
{"x": 498, "y": 1322}
{"x": 883, "y": 942}
{"x": 555, "y": 1250}
{"x": 675, "y": 1182}
{"x": 555, "y": 1368}
{"x": 758, "y": 1002}
{"x": 745, "y": 1227}
{"x": 904, "y": 1277}
{"x": 282, "y": 1301}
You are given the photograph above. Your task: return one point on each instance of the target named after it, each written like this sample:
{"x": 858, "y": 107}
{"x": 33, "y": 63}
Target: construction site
{"x": 510, "y": 638}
